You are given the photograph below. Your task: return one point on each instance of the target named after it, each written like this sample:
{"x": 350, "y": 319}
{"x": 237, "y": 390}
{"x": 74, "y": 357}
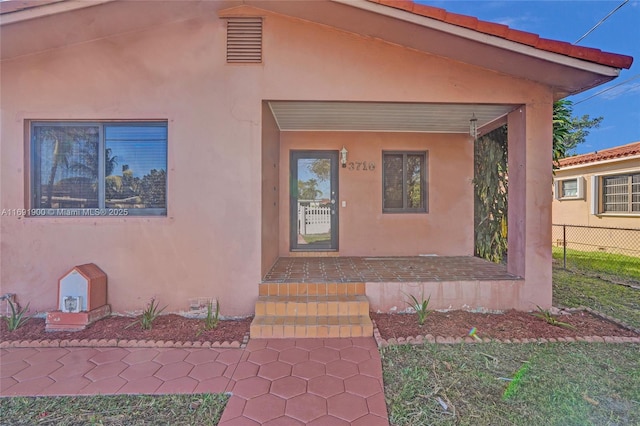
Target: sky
{"x": 569, "y": 20}
{"x": 141, "y": 148}
{"x": 305, "y": 173}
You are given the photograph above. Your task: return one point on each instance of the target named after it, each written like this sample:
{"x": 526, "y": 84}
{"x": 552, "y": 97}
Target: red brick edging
{"x": 120, "y": 343}
{"x": 429, "y": 338}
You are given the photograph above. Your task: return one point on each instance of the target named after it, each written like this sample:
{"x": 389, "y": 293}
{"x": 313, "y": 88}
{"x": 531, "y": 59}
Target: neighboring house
{"x": 599, "y": 189}
{"x": 167, "y": 142}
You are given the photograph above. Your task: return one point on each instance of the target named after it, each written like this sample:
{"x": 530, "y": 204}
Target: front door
{"x": 314, "y": 198}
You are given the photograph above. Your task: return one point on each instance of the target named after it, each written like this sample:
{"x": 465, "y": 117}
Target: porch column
{"x": 530, "y": 130}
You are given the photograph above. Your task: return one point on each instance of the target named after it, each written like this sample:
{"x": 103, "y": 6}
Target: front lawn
{"x": 573, "y": 290}
{"x": 317, "y": 238}
{"x": 610, "y": 265}
{"x": 513, "y": 384}
{"x": 196, "y": 409}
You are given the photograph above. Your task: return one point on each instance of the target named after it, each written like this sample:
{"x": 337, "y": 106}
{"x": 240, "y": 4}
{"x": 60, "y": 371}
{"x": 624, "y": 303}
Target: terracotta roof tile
{"x": 403, "y": 4}
{"x": 461, "y": 20}
{"x": 523, "y": 37}
{"x": 563, "y": 48}
{"x": 490, "y": 28}
{"x": 605, "y": 154}
{"x": 430, "y": 12}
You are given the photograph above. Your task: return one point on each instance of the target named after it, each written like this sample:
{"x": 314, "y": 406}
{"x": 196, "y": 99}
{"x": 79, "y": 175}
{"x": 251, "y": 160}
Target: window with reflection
{"x": 404, "y": 176}
{"x": 83, "y": 168}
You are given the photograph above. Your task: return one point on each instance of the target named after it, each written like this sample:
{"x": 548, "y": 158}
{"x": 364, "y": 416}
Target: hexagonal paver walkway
{"x": 113, "y": 370}
{"x": 272, "y": 382}
{"x": 320, "y": 382}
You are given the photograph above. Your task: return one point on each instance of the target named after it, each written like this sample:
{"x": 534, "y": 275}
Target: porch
{"x": 367, "y": 199}
{"x": 332, "y": 296}
{"x": 385, "y": 269}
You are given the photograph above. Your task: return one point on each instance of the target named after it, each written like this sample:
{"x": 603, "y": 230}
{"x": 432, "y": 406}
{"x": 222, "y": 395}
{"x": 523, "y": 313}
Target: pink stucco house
{"x": 277, "y": 155}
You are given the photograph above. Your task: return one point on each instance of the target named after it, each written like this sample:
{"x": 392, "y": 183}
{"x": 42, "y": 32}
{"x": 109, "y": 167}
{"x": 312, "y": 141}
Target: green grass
{"x": 315, "y": 238}
{"x": 196, "y": 409}
{"x": 609, "y": 265}
{"x": 573, "y": 290}
{"x": 561, "y": 384}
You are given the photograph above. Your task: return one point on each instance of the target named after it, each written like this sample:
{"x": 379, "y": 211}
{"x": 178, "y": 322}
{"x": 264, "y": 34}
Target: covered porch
{"x": 331, "y": 296}
{"x": 332, "y": 269}
{"x": 451, "y": 282}
{"x": 379, "y": 172}
{"x": 392, "y": 253}
{"x": 427, "y": 251}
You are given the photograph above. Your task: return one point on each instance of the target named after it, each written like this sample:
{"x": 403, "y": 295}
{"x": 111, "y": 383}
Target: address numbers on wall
{"x": 361, "y": 166}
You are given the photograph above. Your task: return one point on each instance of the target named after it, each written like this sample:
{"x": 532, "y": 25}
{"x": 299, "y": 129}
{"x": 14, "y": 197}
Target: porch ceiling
{"x": 384, "y": 116}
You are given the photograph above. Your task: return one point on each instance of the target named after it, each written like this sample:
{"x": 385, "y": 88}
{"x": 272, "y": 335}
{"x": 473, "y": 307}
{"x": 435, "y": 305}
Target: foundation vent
{"x": 244, "y": 40}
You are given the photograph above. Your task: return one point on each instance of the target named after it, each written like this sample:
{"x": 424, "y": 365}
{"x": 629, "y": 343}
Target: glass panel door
{"x": 314, "y": 200}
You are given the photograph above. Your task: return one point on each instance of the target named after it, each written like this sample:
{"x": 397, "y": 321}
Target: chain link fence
{"x": 609, "y": 253}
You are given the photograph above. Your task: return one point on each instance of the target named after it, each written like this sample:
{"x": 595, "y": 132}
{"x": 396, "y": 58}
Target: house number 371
{"x": 361, "y": 166}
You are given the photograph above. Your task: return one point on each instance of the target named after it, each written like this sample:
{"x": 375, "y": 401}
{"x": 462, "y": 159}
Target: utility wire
{"x": 607, "y": 89}
{"x": 601, "y": 21}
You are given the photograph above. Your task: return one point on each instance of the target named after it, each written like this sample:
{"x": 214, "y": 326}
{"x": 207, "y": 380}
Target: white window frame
{"x": 597, "y": 199}
{"x": 559, "y": 184}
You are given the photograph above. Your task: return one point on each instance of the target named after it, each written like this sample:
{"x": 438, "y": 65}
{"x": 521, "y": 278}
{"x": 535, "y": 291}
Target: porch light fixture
{"x": 343, "y": 156}
{"x": 473, "y": 127}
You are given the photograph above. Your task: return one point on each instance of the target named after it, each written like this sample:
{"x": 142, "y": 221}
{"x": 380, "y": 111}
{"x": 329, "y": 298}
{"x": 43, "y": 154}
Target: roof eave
{"x": 599, "y": 162}
{"x": 40, "y": 11}
{"x": 477, "y": 36}
{"x": 600, "y": 73}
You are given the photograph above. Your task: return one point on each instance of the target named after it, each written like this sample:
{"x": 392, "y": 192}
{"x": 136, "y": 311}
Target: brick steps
{"x": 311, "y": 289}
{"x": 312, "y": 310}
{"x": 312, "y": 305}
{"x": 311, "y": 326}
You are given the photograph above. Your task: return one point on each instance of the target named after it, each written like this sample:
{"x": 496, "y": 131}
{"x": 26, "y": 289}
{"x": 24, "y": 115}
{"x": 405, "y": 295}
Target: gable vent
{"x": 244, "y": 40}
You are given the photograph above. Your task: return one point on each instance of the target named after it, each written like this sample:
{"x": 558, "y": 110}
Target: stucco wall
{"x": 211, "y": 242}
{"x": 529, "y": 215}
{"x": 270, "y": 189}
{"x": 446, "y": 230}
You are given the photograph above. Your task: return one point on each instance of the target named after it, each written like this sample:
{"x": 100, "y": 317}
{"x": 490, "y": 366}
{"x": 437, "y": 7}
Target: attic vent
{"x": 244, "y": 40}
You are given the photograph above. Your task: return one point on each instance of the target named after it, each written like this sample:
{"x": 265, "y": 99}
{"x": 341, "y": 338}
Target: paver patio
{"x": 385, "y": 269}
{"x": 272, "y": 382}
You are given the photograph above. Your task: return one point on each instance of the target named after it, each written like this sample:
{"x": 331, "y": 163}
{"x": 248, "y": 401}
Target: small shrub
{"x": 420, "y": 306}
{"x": 18, "y": 317}
{"x": 149, "y": 315}
{"x": 213, "y": 317}
{"x": 550, "y": 319}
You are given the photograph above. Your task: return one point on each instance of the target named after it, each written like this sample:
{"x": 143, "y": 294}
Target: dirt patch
{"x": 166, "y": 327}
{"x": 508, "y": 325}
{"x": 176, "y": 328}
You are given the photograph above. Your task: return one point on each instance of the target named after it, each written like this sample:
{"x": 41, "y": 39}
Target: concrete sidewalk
{"x": 272, "y": 382}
